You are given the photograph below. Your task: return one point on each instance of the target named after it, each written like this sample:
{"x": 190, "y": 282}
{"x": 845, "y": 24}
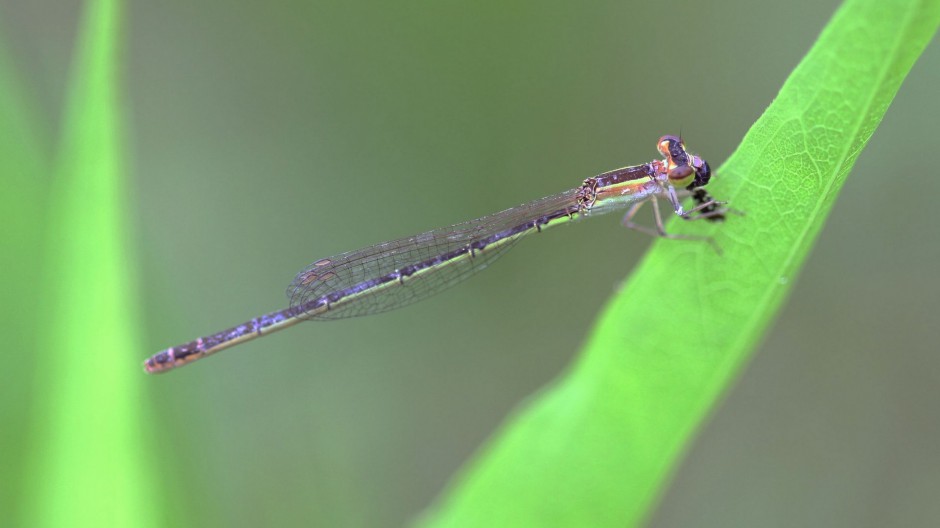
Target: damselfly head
{"x": 685, "y": 170}
{"x": 672, "y": 148}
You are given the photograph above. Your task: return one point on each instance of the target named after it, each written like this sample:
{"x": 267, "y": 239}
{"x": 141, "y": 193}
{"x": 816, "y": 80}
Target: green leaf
{"x": 597, "y": 448}
{"x": 92, "y": 462}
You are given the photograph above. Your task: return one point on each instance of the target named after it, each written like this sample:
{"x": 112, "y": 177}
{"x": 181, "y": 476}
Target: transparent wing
{"x": 397, "y": 273}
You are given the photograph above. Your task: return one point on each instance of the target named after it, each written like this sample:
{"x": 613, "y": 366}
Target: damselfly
{"x": 397, "y": 273}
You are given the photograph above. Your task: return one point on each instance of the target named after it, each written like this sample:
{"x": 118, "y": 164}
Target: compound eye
{"x": 663, "y": 147}
{"x": 667, "y": 144}
{"x": 681, "y": 175}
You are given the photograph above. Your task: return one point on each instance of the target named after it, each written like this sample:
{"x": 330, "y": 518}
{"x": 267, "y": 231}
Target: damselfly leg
{"x": 660, "y": 229}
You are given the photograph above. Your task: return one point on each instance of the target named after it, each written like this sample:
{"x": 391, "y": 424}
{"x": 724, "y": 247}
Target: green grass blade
{"x": 24, "y": 180}
{"x": 92, "y": 464}
{"x": 597, "y": 447}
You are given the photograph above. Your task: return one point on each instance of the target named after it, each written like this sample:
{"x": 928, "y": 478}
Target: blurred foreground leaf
{"x": 597, "y": 448}
{"x": 91, "y": 464}
{"x": 24, "y": 179}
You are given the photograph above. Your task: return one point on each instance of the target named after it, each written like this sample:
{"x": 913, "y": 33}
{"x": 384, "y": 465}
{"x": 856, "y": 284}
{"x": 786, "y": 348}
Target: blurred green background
{"x": 264, "y": 136}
